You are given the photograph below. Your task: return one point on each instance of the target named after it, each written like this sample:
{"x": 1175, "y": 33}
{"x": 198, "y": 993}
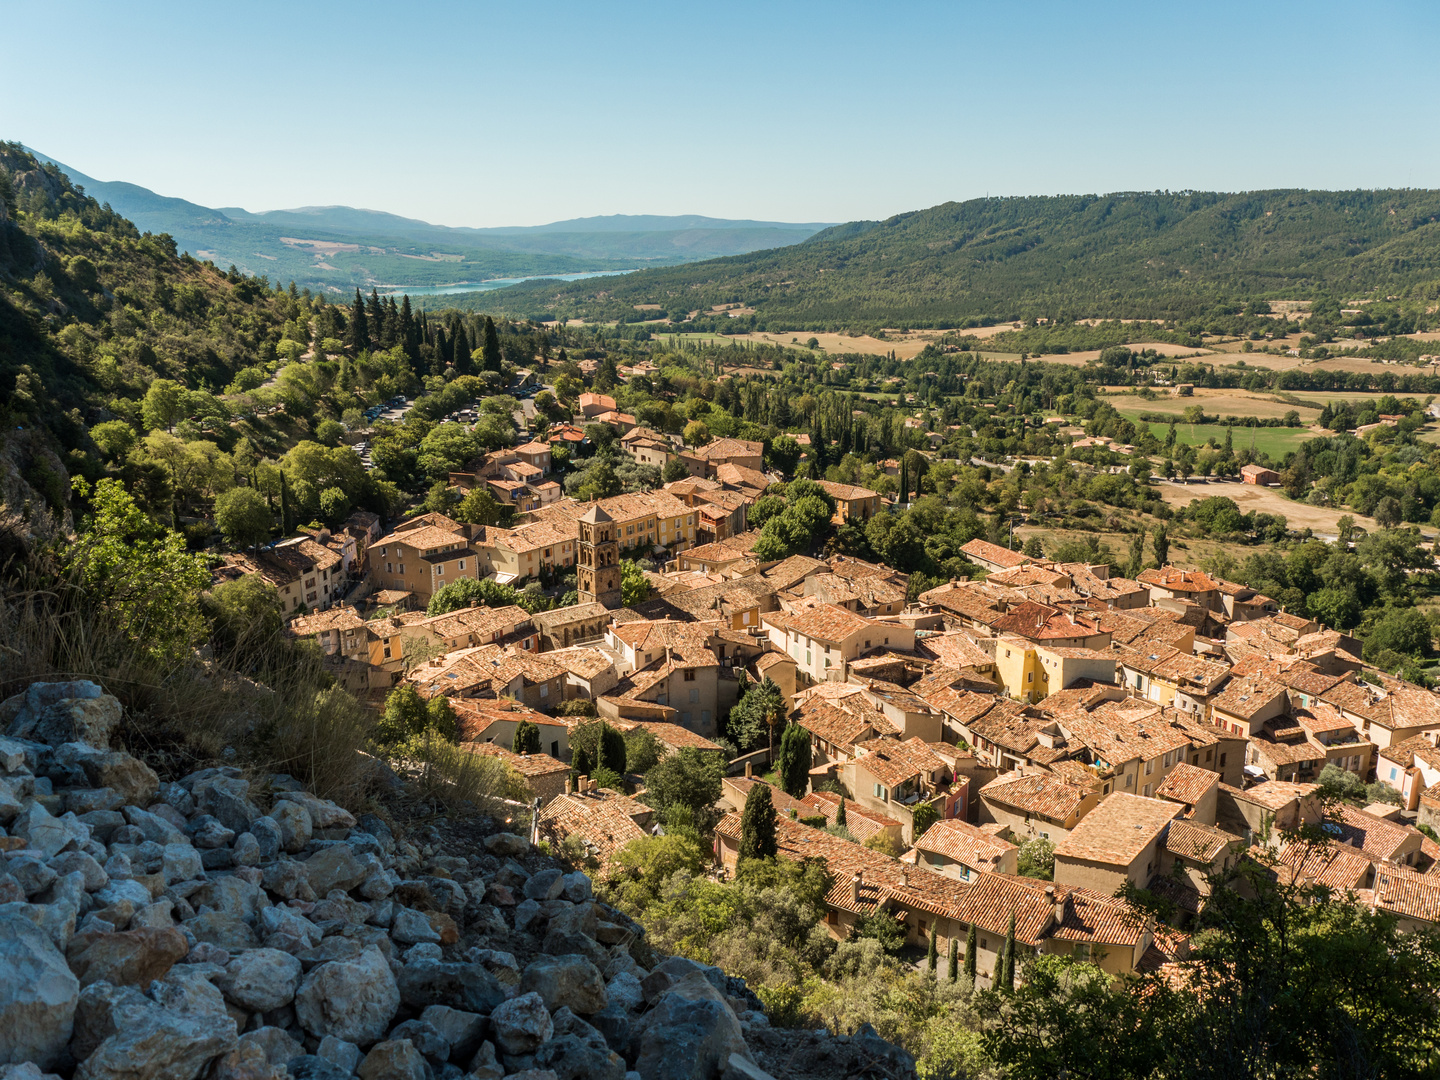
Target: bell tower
{"x": 597, "y": 561}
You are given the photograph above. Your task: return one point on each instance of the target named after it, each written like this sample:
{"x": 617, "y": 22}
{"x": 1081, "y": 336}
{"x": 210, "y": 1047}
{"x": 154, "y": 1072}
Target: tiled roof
{"x": 983, "y": 549}
{"x": 1372, "y": 835}
{"x": 1118, "y": 830}
{"x": 425, "y": 538}
{"x": 1197, "y": 842}
{"x": 1336, "y": 866}
{"x": 1187, "y": 783}
{"x": 728, "y": 550}
{"x": 1039, "y": 793}
{"x": 861, "y": 821}
{"x": 677, "y": 736}
{"x": 604, "y": 828}
{"x": 1273, "y": 794}
{"x": 1408, "y": 897}
{"x": 1244, "y": 697}
{"x": 958, "y": 840}
{"x": 727, "y": 448}
{"x": 847, "y": 492}
{"x": 1175, "y": 579}
{"x": 835, "y": 726}
{"x": 956, "y": 649}
{"x": 526, "y": 765}
{"x": 893, "y": 762}
{"x": 828, "y": 623}
{"x": 476, "y": 715}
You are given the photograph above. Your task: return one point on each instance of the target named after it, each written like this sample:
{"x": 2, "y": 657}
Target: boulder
{"x": 38, "y": 992}
{"x": 506, "y": 844}
{"x": 521, "y": 1024}
{"x": 395, "y": 1059}
{"x": 572, "y": 1058}
{"x": 411, "y": 927}
{"x": 462, "y": 1031}
{"x": 423, "y": 1036}
{"x": 545, "y": 885}
{"x": 688, "y": 1035}
{"x": 294, "y": 823}
{"x": 467, "y": 986}
{"x": 129, "y": 958}
{"x": 354, "y": 1000}
{"x": 227, "y": 799}
{"x": 324, "y": 814}
{"x": 570, "y": 981}
{"x": 261, "y": 980}
{"x": 45, "y": 834}
{"x": 129, "y": 777}
{"x": 343, "y": 1055}
{"x": 89, "y": 720}
{"x": 157, "y": 1044}
{"x": 186, "y": 988}
{"x": 220, "y": 928}
{"x": 335, "y": 867}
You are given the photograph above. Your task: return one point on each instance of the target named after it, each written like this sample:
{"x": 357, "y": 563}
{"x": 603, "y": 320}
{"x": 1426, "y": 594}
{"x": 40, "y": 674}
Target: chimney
{"x": 749, "y": 770}
{"x": 855, "y": 886}
{"x": 582, "y": 785}
{"x": 1058, "y": 902}
{"x": 905, "y": 877}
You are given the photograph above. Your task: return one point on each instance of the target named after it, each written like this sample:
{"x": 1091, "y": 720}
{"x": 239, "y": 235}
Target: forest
{"x": 1131, "y": 255}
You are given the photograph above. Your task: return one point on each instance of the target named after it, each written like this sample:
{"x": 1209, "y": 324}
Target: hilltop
{"x": 1141, "y": 254}
{"x": 336, "y": 248}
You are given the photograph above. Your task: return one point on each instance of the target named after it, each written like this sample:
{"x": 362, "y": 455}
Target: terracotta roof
{"x": 1197, "y": 842}
{"x": 604, "y": 828}
{"x": 476, "y": 715}
{"x": 893, "y": 762}
{"x": 861, "y": 821}
{"x": 1244, "y": 697}
{"x": 1408, "y": 897}
{"x": 847, "y": 492}
{"x": 1372, "y": 835}
{"x": 956, "y": 649}
{"x": 1039, "y": 793}
{"x": 526, "y": 765}
{"x": 425, "y": 538}
{"x": 676, "y": 735}
{"x": 727, "y": 448}
{"x": 1174, "y": 579}
{"x": 955, "y": 839}
{"x": 1118, "y": 830}
{"x": 835, "y": 726}
{"x": 983, "y": 549}
{"x": 1336, "y": 866}
{"x": 1273, "y": 794}
{"x": 828, "y": 623}
{"x": 1187, "y": 783}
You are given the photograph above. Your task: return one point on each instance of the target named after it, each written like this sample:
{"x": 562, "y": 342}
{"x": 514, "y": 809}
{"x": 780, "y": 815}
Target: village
{"x": 1152, "y": 731}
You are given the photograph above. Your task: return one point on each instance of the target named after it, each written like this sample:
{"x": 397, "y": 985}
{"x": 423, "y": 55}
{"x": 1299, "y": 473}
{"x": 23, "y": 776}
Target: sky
{"x": 480, "y": 114}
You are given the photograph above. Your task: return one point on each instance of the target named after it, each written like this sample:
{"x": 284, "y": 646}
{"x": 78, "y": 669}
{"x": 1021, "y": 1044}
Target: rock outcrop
{"x": 222, "y": 927}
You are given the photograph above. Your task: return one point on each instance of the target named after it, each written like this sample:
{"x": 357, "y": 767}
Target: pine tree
{"x": 840, "y": 812}
{"x": 954, "y": 970}
{"x": 490, "y": 352}
{"x": 757, "y": 824}
{"x": 932, "y": 957}
{"x": 1007, "y": 976}
{"x": 971, "y": 944}
{"x": 359, "y": 325}
{"x": 408, "y": 337}
{"x": 377, "y": 316}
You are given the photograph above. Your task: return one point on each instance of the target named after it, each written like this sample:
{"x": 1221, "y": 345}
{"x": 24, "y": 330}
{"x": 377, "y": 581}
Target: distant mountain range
{"x": 340, "y": 247}
{"x": 1128, "y": 254}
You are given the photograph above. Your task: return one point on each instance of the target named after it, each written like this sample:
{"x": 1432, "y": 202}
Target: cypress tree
{"x": 359, "y": 325}
{"x": 970, "y": 948}
{"x": 612, "y": 750}
{"x": 999, "y": 973}
{"x": 284, "y": 505}
{"x": 757, "y": 824}
{"x": 794, "y": 761}
{"x": 490, "y": 351}
{"x": 407, "y": 326}
{"x": 527, "y": 739}
{"x": 840, "y": 812}
{"x": 462, "y": 352}
{"x": 933, "y": 955}
{"x": 904, "y": 480}
{"x": 954, "y": 969}
{"x": 580, "y": 763}
{"x": 1161, "y": 541}
{"x": 1007, "y": 977}
{"x": 377, "y": 315}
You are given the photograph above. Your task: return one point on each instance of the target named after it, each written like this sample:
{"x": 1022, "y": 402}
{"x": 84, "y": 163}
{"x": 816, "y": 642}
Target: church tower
{"x": 597, "y": 562}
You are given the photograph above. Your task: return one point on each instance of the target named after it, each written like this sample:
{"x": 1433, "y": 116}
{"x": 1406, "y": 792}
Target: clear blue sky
{"x": 522, "y": 113}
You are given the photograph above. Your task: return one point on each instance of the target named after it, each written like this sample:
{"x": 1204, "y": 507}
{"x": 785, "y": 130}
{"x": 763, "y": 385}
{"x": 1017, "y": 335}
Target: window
{"x": 440, "y": 570}
{"x": 1146, "y": 791}
{"x": 705, "y": 716}
{"x": 1129, "y": 779}
{"x": 1029, "y": 676}
{"x": 1149, "y": 766}
{"x": 402, "y": 568}
{"x": 1222, "y": 761}
{"x": 544, "y": 689}
{"x": 694, "y": 697}
{"x": 1207, "y": 756}
{"x": 462, "y": 566}
{"x": 879, "y": 791}
{"x": 1392, "y": 774}
{"x": 1082, "y": 950}
{"x": 689, "y": 674}
{"x": 389, "y": 569}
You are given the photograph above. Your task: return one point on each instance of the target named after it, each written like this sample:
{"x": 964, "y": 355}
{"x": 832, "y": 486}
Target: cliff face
{"x": 239, "y": 928}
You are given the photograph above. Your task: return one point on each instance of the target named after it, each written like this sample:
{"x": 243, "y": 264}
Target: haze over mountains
{"x": 340, "y": 247}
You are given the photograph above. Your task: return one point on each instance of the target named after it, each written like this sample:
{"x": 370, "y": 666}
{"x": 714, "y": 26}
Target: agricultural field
{"x": 1277, "y": 442}
{"x": 1265, "y": 500}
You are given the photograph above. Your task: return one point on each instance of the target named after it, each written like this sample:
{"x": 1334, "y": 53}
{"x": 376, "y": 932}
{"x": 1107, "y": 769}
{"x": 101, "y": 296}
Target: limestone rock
{"x": 462, "y": 1031}
{"x": 45, "y": 834}
{"x": 396, "y": 1059}
{"x": 343, "y": 1055}
{"x": 295, "y": 825}
{"x": 130, "y": 958}
{"x": 130, "y": 778}
{"x": 572, "y": 1058}
{"x": 467, "y": 986}
{"x": 411, "y": 927}
{"x": 506, "y": 844}
{"x": 335, "y": 867}
{"x": 353, "y": 1000}
{"x": 261, "y": 980}
{"x": 689, "y": 1034}
{"x": 546, "y": 885}
{"x": 570, "y": 981}
{"x": 521, "y": 1024}
{"x": 38, "y": 992}
{"x": 159, "y": 1045}
{"x": 323, "y": 813}
{"x": 227, "y": 799}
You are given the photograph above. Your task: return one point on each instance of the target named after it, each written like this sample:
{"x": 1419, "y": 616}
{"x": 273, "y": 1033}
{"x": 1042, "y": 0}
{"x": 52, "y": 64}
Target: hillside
{"x": 340, "y": 247}
{"x": 1132, "y": 254}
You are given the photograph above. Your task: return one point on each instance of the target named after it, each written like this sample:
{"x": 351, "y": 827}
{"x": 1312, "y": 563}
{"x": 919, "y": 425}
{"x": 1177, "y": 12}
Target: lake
{"x": 495, "y": 283}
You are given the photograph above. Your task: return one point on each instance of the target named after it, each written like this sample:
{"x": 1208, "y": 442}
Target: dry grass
{"x": 187, "y": 712}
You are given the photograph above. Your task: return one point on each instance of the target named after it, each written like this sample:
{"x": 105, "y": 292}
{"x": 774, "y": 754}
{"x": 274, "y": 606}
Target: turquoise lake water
{"x": 496, "y": 283}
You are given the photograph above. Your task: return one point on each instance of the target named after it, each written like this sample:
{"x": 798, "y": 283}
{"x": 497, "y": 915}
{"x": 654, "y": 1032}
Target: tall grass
{"x": 197, "y": 709}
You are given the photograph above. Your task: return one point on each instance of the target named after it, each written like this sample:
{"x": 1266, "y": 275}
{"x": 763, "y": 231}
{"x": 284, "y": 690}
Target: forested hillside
{"x": 1134, "y": 254}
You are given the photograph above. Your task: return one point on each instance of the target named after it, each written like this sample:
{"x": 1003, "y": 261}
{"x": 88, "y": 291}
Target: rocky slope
{"x": 243, "y": 929}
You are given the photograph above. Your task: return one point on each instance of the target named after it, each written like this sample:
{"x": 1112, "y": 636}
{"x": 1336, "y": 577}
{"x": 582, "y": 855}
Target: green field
{"x": 1277, "y": 442}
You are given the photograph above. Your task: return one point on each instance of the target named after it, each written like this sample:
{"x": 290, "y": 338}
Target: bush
{"x": 1341, "y": 783}
{"x": 1036, "y": 858}
{"x": 882, "y": 843}
{"x": 1382, "y": 793}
